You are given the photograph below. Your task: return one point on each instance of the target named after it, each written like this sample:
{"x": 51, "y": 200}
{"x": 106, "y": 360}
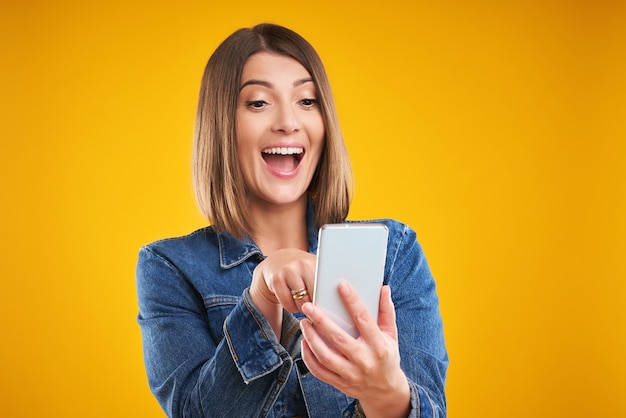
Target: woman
{"x": 221, "y": 310}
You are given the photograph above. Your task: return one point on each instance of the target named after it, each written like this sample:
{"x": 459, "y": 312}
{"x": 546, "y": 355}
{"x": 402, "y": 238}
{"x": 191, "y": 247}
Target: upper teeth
{"x": 284, "y": 150}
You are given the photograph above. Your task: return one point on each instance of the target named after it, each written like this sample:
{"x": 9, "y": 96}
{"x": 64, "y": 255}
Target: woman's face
{"x": 280, "y": 130}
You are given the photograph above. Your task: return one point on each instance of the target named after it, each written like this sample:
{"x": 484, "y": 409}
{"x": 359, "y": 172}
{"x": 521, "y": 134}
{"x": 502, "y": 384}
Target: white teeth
{"x": 284, "y": 150}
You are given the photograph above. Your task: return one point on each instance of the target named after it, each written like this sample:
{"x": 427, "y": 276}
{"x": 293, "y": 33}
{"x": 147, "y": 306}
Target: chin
{"x": 286, "y": 198}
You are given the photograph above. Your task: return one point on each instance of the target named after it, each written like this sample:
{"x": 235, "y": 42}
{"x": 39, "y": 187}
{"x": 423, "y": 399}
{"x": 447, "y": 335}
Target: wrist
{"x": 271, "y": 310}
{"x": 394, "y": 404}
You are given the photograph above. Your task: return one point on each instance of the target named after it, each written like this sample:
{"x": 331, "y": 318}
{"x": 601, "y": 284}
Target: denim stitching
{"x": 165, "y": 260}
{"x": 430, "y": 401}
{"x": 227, "y": 264}
{"x": 249, "y": 308}
{"x": 213, "y": 301}
{"x": 283, "y": 357}
{"x": 419, "y": 404}
{"x": 230, "y": 345}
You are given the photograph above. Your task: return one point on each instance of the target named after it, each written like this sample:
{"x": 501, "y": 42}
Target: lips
{"x": 283, "y": 161}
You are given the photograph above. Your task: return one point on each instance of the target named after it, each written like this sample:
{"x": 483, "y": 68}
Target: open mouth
{"x": 283, "y": 159}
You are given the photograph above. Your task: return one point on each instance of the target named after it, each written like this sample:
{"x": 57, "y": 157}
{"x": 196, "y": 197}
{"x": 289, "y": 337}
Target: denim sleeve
{"x": 189, "y": 373}
{"x": 424, "y": 357}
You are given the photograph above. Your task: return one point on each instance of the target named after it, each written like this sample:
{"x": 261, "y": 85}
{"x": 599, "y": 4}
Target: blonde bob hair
{"x": 218, "y": 183}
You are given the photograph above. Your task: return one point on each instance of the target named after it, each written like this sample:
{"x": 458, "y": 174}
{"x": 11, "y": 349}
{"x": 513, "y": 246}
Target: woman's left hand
{"x": 366, "y": 368}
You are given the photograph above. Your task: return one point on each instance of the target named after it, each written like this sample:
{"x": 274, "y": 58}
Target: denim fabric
{"x": 210, "y": 353}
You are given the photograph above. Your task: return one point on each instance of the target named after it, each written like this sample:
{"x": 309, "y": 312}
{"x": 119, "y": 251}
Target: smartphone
{"x": 354, "y": 253}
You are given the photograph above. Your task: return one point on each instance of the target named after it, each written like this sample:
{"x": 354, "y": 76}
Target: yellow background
{"x": 496, "y": 129}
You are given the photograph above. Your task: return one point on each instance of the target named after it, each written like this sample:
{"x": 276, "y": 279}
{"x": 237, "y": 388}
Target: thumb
{"x": 387, "y": 313}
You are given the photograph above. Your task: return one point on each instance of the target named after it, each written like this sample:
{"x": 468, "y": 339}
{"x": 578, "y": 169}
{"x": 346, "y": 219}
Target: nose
{"x": 286, "y": 119}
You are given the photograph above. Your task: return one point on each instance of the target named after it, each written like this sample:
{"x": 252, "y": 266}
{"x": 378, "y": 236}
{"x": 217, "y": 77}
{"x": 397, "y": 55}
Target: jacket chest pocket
{"x": 217, "y": 309}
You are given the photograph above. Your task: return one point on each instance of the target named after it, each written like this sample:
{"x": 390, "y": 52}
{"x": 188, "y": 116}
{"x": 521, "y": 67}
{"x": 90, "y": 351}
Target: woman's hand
{"x": 366, "y": 368}
{"x": 275, "y": 278}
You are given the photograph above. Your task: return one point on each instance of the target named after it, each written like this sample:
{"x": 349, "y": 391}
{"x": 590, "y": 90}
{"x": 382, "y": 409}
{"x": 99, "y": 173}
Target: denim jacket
{"x": 210, "y": 353}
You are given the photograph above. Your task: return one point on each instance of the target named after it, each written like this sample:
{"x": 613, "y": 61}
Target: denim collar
{"x": 235, "y": 251}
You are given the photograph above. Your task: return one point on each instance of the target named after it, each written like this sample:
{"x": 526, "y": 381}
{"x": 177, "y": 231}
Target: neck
{"x": 278, "y": 227}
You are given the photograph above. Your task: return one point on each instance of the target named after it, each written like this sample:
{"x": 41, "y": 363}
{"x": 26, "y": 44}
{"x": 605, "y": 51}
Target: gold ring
{"x": 298, "y": 294}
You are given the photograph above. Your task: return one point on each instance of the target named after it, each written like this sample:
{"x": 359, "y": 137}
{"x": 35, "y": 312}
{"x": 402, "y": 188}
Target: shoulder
{"x": 200, "y": 243}
{"x": 398, "y": 231}
{"x": 194, "y": 238}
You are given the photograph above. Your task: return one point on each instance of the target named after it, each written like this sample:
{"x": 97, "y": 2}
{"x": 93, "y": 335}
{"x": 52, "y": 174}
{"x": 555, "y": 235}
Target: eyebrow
{"x": 269, "y": 85}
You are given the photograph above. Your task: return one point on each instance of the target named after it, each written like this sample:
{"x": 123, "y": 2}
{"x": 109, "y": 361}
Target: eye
{"x": 256, "y": 104}
{"x": 308, "y": 103}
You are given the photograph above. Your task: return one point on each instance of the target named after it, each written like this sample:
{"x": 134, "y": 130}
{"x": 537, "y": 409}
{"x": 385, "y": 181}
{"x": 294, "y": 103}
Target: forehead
{"x": 273, "y": 68}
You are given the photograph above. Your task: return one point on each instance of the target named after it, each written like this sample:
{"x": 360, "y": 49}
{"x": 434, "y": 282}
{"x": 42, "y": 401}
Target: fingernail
{"x": 307, "y": 308}
{"x": 344, "y": 289}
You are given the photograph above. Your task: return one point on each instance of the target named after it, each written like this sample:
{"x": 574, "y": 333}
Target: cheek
{"x": 244, "y": 136}
{"x": 243, "y": 146}
{"x": 240, "y": 131}
{"x": 317, "y": 131}
{"x": 317, "y": 148}
{"x": 320, "y": 137}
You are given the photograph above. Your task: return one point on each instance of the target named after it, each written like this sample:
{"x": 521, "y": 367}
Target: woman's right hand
{"x": 274, "y": 279}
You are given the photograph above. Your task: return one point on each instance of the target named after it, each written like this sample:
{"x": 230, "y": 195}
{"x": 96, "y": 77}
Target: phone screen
{"x": 354, "y": 253}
